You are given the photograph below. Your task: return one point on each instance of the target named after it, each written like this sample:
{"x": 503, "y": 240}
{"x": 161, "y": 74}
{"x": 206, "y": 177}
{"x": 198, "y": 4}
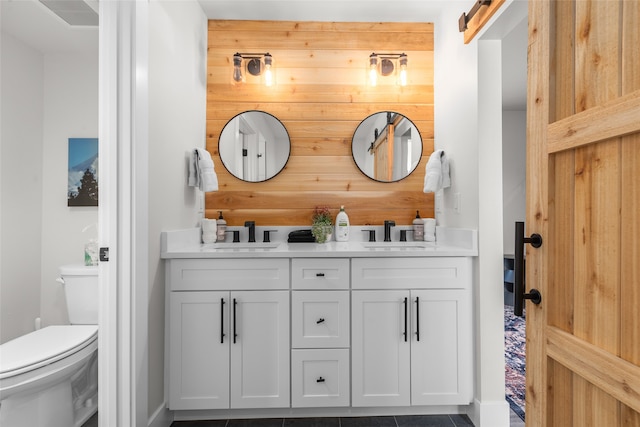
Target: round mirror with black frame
{"x": 254, "y": 146}
{"x": 386, "y": 146}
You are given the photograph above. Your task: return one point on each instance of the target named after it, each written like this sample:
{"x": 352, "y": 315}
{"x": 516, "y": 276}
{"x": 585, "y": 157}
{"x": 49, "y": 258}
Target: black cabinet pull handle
{"x": 405, "y": 319}
{"x": 319, "y": 274}
{"x": 235, "y": 334}
{"x": 519, "y": 294}
{"x": 320, "y": 380}
{"x": 221, "y": 320}
{"x": 320, "y": 320}
{"x": 418, "y": 318}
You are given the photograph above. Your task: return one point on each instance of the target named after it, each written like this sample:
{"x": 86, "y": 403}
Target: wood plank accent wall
{"x": 321, "y": 95}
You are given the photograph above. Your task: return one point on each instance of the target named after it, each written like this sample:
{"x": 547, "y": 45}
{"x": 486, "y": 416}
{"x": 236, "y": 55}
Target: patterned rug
{"x": 514, "y": 343}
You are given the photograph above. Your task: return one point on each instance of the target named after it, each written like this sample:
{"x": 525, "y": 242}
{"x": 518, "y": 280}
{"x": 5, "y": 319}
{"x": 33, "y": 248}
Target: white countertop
{"x": 450, "y": 242}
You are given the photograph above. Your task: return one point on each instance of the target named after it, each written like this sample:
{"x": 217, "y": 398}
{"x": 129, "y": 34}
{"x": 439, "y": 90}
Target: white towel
{"x": 436, "y": 175}
{"x": 201, "y": 171}
{"x": 193, "y": 169}
{"x": 429, "y": 229}
{"x": 209, "y": 230}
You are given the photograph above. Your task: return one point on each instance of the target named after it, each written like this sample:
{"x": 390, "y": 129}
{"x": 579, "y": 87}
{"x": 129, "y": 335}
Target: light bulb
{"x": 373, "y": 69}
{"x": 237, "y": 68}
{"x": 268, "y": 74}
{"x": 403, "y": 70}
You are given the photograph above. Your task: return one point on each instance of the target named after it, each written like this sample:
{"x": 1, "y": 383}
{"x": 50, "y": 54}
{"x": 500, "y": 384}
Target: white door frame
{"x": 123, "y": 213}
{"x": 490, "y": 407}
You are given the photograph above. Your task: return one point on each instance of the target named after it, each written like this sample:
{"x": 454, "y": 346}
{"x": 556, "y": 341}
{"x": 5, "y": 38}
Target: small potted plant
{"x": 322, "y": 225}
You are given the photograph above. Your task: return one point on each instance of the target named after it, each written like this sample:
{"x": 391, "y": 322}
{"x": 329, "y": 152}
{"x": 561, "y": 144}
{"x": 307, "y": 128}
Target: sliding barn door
{"x": 583, "y": 191}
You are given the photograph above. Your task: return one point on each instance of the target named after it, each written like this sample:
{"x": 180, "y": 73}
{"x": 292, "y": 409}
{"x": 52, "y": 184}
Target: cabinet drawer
{"x": 228, "y": 274}
{"x": 320, "y": 319}
{"x": 411, "y": 273}
{"x": 320, "y": 378}
{"x": 320, "y": 273}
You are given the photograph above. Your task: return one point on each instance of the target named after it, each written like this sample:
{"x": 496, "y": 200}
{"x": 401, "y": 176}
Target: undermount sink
{"x": 240, "y": 245}
{"x": 399, "y": 245}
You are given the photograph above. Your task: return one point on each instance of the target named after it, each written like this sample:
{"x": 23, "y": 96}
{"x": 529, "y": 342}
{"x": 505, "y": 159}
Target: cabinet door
{"x": 441, "y": 371}
{"x": 380, "y": 348}
{"x": 199, "y": 350}
{"x": 260, "y": 349}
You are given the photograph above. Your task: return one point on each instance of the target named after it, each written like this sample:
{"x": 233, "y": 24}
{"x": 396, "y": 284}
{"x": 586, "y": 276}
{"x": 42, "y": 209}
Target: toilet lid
{"x": 43, "y": 347}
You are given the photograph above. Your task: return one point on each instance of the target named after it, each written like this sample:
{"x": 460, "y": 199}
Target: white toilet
{"x": 49, "y": 377}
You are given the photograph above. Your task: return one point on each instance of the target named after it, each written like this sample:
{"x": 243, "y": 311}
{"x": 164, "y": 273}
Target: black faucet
{"x": 252, "y": 230}
{"x": 387, "y": 229}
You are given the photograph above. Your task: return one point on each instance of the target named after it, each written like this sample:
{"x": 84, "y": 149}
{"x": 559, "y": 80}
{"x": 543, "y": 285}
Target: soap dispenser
{"x": 222, "y": 228}
{"x": 342, "y": 226}
{"x": 418, "y": 227}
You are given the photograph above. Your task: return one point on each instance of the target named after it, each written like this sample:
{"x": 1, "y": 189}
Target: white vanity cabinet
{"x": 228, "y": 348}
{"x": 411, "y": 329}
{"x": 357, "y": 333}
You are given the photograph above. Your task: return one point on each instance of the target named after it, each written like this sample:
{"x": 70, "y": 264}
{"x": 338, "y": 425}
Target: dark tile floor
{"x": 390, "y": 421}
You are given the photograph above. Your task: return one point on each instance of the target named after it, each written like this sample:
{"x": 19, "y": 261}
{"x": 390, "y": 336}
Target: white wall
{"x": 70, "y": 111}
{"x": 177, "y": 111}
{"x": 456, "y": 118}
{"x": 21, "y": 116}
{"x": 46, "y": 99}
{"x": 514, "y": 128}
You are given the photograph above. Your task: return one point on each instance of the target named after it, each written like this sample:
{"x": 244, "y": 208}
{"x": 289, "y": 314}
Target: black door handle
{"x": 221, "y": 320}
{"x": 235, "y": 334}
{"x": 405, "y": 319}
{"x": 320, "y": 320}
{"x": 519, "y": 294}
{"x": 320, "y": 380}
{"x": 418, "y": 318}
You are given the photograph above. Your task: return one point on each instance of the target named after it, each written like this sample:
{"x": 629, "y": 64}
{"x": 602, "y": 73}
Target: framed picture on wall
{"x": 82, "y": 186}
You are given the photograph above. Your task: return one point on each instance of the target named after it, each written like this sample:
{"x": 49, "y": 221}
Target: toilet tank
{"x": 80, "y": 285}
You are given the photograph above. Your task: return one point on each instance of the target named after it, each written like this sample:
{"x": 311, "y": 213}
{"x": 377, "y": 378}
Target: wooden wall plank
{"x": 321, "y": 96}
{"x": 291, "y": 111}
{"x": 353, "y": 94}
{"x": 246, "y": 41}
{"x": 302, "y": 217}
{"x": 300, "y": 26}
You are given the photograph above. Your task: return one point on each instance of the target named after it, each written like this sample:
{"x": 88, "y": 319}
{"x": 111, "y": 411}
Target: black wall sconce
{"x": 253, "y": 66}
{"x": 388, "y": 64}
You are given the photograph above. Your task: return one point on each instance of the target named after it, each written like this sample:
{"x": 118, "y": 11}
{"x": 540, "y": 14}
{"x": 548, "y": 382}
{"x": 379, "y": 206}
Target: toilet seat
{"x": 44, "y": 347}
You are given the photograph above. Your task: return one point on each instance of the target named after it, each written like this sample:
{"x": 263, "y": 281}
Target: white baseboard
{"x": 490, "y": 414}
{"x": 162, "y": 417}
